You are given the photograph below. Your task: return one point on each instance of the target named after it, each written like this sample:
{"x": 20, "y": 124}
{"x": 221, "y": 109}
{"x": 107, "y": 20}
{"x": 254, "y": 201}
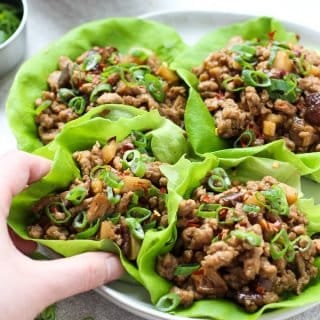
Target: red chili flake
{"x": 271, "y": 35}
{"x": 163, "y": 190}
{"x": 198, "y": 272}
{"x": 126, "y": 147}
{"x": 260, "y": 290}
{"x": 205, "y": 198}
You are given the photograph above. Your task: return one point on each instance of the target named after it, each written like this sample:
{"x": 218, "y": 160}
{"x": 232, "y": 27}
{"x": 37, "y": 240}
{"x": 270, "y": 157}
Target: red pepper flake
{"x": 260, "y": 290}
{"x": 271, "y": 35}
{"x": 163, "y": 190}
{"x": 198, "y": 272}
{"x": 205, "y": 198}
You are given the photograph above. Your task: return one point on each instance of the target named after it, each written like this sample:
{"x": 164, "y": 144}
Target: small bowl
{"x": 13, "y": 49}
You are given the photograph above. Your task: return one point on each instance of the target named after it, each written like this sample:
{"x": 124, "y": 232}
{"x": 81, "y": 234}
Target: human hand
{"x": 28, "y": 286}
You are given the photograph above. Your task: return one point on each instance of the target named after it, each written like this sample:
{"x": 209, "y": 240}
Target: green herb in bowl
{"x": 9, "y": 21}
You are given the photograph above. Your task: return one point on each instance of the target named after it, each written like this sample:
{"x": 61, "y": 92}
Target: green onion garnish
{"x": 133, "y": 159}
{"x": 168, "y": 302}
{"x": 245, "y": 51}
{"x": 100, "y": 88}
{"x": 114, "y": 199}
{"x": 112, "y": 180}
{"x": 92, "y": 59}
{"x": 139, "y": 213}
{"x": 80, "y": 221}
{"x": 9, "y": 21}
{"x": 78, "y": 104}
{"x": 226, "y": 85}
{"x": 48, "y": 314}
{"x": 219, "y": 181}
{"x": 208, "y": 210}
{"x": 54, "y": 207}
{"x": 150, "y": 225}
{"x": 98, "y": 172}
{"x": 186, "y": 269}
{"x": 245, "y": 139}
{"x": 44, "y": 105}
{"x": 280, "y": 246}
{"x": 250, "y": 236}
{"x": 251, "y": 208}
{"x": 114, "y": 218}
{"x": 135, "y": 228}
{"x": 255, "y": 78}
{"x": 77, "y": 195}
{"x": 155, "y": 87}
{"x": 276, "y": 200}
{"x": 65, "y": 94}
{"x": 90, "y": 232}
{"x": 141, "y": 53}
{"x": 296, "y": 245}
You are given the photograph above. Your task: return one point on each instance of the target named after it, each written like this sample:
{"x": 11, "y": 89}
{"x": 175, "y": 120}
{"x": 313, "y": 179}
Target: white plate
{"x": 192, "y": 25}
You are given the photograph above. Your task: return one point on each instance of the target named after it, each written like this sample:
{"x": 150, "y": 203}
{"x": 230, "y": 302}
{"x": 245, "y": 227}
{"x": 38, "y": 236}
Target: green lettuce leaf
{"x": 64, "y": 170}
{"x": 183, "y": 177}
{"x": 200, "y": 124}
{"x": 31, "y": 79}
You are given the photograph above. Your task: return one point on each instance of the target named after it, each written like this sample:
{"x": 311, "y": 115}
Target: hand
{"x": 28, "y": 286}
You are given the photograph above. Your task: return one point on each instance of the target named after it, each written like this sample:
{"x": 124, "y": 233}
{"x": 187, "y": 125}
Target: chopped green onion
{"x": 251, "y": 208}
{"x": 226, "y": 85}
{"x": 43, "y": 106}
{"x": 219, "y": 181}
{"x": 77, "y": 195}
{"x": 139, "y": 140}
{"x": 155, "y": 87}
{"x": 90, "y": 232}
{"x": 92, "y": 59}
{"x": 280, "y": 245}
{"x": 141, "y": 53}
{"x": 139, "y": 213}
{"x": 65, "y": 94}
{"x": 112, "y": 180}
{"x": 135, "y": 198}
{"x": 48, "y": 314}
{"x": 209, "y": 210}
{"x": 114, "y": 199}
{"x": 168, "y": 302}
{"x": 58, "y": 207}
{"x": 255, "y": 78}
{"x": 277, "y": 200}
{"x": 78, "y": 104}
{"x": 98, "y": 172}
{"x": 317, "y": 262}
{"x": 246, "y": 139}
{"x": 138, "y": 73}
{"x": 243, "y": 63}
{"x": 130, "y": 155}
{"x": 113, "y": 58}
{"x": 308, "y": 240}
{"x": 133, "y": 159}
{"x": 250, "y": 236}
{"x": 102, "y": 87}
{"x": 9, "y": 21}
{"x": 245, "y": 51}
{"x": 135, "y": 228}
{"x": 150, "y": 225}
{"x": 80, "y": 221}
{"x": 186, "y": 269}
{"x": 285, "y": 89}
{"x": 114, "y": 218}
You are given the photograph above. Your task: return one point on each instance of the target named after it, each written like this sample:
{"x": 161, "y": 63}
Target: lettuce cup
{"x": 245, "y": 242}
{"x": 114, "y": 61}
{"x": 105, "y": 190}
{"x": 257, "y": 94}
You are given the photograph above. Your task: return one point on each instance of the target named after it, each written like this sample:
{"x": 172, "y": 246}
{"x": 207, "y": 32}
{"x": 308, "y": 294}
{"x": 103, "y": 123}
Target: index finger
{"x": 17, "y": 170}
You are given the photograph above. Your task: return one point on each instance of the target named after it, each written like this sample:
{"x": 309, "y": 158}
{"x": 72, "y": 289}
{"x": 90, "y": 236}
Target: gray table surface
{"x": 50, "y": 19}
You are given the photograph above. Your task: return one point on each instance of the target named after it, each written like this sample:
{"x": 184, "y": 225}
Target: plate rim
{"x": 111, "y": 294}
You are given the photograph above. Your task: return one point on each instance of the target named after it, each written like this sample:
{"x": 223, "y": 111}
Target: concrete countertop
{"x": 49, "y": 20}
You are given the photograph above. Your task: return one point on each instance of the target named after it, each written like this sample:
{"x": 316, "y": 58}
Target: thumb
{"x": 61, "y": 278}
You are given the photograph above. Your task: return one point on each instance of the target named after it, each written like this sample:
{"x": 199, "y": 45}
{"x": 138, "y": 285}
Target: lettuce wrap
{"x": 167, "y": 143}
{"x": 122, "y": 33}
{"x": 200, "y": 124}
{"x": 184, "y": 177}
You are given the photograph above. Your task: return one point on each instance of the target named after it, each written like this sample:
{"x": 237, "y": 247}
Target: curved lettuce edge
{"x": 64, "y": 170}
{"x": 31, "y": 79}
{"x": 183, "y": 177}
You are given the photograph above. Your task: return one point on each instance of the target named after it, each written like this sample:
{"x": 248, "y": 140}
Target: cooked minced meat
{"x": 120, "y": 195}
{"x": 260, "y": 92}
{"x": 248, "y": 243}
{"x": 104, "y": 76}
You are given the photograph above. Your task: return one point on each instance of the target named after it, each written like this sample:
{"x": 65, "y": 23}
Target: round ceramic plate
{"x": 192, "y": 25}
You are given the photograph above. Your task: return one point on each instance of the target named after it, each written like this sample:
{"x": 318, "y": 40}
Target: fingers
{"x": 62, "y": 278}
{"x": 17, "y": 170}
{"x": 25, "y": 246}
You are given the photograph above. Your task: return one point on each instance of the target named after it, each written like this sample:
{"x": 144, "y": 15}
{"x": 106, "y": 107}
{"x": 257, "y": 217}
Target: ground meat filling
{"x": 271, "y": 90}
{"x": 104, "y": 76}
{"x": 120, "y": 195}
{"x": 248, "y": 243}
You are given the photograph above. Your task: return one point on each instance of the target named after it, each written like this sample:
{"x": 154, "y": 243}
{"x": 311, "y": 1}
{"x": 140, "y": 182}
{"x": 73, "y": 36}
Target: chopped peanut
{"x": 269, "y": 128}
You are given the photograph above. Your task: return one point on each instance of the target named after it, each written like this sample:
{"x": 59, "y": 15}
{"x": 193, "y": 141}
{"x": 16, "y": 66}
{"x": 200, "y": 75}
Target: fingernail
{"x": 114, "y": 268}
